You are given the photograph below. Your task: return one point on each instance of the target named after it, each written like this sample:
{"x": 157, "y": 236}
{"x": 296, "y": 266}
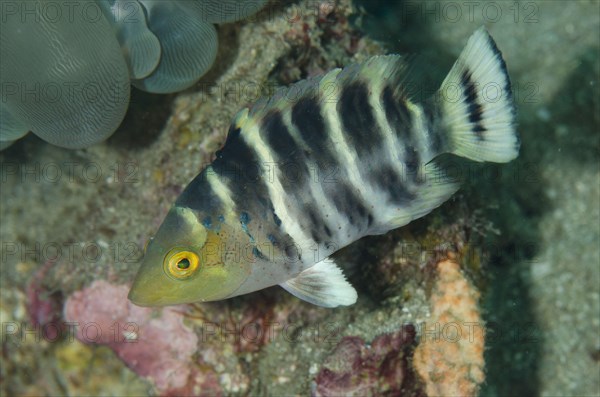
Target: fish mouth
{"x": 145, "y": 300}
{"x": 138, "y": 299}
{"x": 140, "y": 295}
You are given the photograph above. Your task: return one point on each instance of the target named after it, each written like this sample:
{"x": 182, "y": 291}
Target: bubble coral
{"x": 66, "y": 67}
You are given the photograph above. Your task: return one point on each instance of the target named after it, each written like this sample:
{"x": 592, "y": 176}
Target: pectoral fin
{"x": 323, "y": 284}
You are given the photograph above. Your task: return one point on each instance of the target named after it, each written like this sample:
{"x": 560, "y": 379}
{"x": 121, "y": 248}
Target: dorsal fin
{"x": 377, "y": 70}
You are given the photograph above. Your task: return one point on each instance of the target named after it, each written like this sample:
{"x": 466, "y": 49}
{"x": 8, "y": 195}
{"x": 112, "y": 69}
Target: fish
{"x": 319, "y": 165}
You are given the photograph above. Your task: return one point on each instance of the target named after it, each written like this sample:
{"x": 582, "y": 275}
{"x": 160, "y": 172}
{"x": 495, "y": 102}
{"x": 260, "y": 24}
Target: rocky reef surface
{"x": 496, "y": 292}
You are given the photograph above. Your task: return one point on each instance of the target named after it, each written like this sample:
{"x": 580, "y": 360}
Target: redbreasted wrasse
{"x": 260, "y": 215}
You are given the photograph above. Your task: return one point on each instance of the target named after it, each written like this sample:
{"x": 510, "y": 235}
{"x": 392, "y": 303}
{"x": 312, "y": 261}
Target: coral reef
{"x": 449, "y": 358}
{"x": 44, "y": 307}
{"x": 320, "y": 40}
{"x": 157, "y": 346}
{"x": 380, "y": 368}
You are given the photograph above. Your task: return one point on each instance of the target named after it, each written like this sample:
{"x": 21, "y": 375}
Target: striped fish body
{"x": 328, "y": 161}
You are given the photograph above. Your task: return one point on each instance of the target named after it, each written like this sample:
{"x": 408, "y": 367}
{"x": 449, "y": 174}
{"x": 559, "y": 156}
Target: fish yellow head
{"x": 187, "y": 262}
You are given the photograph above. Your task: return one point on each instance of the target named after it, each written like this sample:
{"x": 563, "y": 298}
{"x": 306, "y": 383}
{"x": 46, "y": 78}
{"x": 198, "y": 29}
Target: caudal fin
{"x": 477, "y": 104}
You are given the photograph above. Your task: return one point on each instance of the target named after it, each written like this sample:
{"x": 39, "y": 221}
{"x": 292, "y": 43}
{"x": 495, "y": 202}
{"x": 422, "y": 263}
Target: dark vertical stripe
{"x": 474, "y": 108}
{"x": 234, "y": 157}
{"x": 282, "y": 242}
{"x": 350, "y": 206}
{"x": 496, "y": 51}
{"x": 277, "y": 135}
{"x": 292, "y": 170}
{"x": 389, "y": 181}
{"x": 401, "y": 121}
{"x": 437, "y": 131}
{"x": 358, "y": 120}
{"x": 307, "y": 118}
{"x": 291, "y": 161}
{"x": 397, "y": 113}
{"x": 237, "y": 166}
{"x": 313, "y": 224}
{"x": 236, "y": 160}
{"x": 198, "y": 196}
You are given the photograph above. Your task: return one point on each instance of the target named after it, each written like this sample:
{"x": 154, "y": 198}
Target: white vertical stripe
{"x": 392, "y": 152}
{"x": 271, "y": 177}
{"x": 219, "y": 188}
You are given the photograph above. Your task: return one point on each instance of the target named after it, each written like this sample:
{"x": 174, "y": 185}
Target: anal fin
{"x": 323, "y": 284}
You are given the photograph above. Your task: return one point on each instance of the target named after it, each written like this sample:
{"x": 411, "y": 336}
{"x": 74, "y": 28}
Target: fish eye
{"x": 181, "y": 264}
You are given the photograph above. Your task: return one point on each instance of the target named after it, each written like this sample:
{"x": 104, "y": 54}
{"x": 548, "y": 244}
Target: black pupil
{"x": 183, "y": 264}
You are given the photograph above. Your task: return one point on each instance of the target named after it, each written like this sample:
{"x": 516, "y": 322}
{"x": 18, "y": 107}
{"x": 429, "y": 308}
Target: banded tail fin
{"x": 477, "y": 105}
